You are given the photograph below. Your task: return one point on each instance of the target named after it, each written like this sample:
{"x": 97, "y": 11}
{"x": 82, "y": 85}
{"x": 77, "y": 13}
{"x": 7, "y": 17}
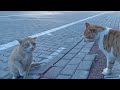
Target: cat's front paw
{"x": 21, "y": 73}
{"x": 25, "y": 75}
{"x": 106, "y": 71}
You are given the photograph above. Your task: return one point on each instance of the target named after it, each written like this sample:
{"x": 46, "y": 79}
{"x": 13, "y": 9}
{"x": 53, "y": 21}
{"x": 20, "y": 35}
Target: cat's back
{"x": 112, "y": 40}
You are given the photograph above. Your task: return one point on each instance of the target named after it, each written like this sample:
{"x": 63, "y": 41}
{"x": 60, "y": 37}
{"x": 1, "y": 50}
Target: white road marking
{"x": 11, "y": 44}
{"x": 49, "y": 34}
{"x": 33, "y": 14}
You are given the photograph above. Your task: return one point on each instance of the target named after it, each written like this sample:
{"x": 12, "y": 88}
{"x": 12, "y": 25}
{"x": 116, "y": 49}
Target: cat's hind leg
{"x": 26, "y": 71}
{"x": 110, "y": 63}
{"x": 19, "y": 66}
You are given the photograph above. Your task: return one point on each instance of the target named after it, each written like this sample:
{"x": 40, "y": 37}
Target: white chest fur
{"x": 27, "y": 59}
{"x": 101, "y": 38}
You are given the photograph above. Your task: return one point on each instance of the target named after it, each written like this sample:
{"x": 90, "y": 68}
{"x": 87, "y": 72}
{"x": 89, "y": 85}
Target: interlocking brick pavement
{"x": 66, "y": 53}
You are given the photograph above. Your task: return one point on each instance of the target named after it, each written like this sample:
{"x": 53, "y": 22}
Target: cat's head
{"x": 91, "y": 32}
{"x": 27, "y": 44}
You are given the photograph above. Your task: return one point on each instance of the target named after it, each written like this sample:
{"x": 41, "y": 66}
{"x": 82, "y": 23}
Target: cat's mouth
{"x": 31, "y": 49}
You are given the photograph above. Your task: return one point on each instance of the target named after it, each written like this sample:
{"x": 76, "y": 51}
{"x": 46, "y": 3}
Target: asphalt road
{"x": 18, "y": 24}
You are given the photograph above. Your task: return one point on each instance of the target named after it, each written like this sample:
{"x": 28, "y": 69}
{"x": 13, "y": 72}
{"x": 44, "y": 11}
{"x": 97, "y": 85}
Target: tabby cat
{"x": 108, "y": 42}
{"x": 21, "y": 57}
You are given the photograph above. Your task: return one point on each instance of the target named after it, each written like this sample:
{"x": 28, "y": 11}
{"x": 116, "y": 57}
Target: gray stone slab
{"x": 37, "y": 59}
{"x": 63, "y": 77}
{"x": 8, "y": 76}
{"x": 43, "y": 56}
{"x": 80, "y": 55}
{"x": 74, "y": 51}
{"x": 85, "y": 65}
{"x": 55, "y": 53}
{"x": 36, "y": 54}
{"x": 4, "y": 59}
{"x": 53, "y": 72}
{"x": 69, "y": 70}
{"x": 89, "y": 45}
{"x": 61, "y": 63}
{"x": 84, "y": 49}
{"x": 69, "y": 56}
{"x": 90, "y": 57}
{"x": 75, "y": 61}
{"x": 3, "y": 73}
{"x": 80, "y": 74}
{"x": 3, "y": 65}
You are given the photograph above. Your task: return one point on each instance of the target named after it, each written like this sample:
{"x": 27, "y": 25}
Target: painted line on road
{"x": 11, "y": 44}
{"x": 32, "y": 14}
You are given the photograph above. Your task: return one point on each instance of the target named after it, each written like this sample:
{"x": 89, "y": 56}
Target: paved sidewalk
{"x": 74, "y": 64}
{"x": 65, "y": 51}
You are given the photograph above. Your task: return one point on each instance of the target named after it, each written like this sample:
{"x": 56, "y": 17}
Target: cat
{"x": 108, "y": 42}
{"x": 20, "y": 60}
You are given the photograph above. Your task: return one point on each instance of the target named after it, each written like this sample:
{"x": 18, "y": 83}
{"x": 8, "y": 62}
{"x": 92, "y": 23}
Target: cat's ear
{"x": 19, "y": 40}
{"x": 87, "y": 24}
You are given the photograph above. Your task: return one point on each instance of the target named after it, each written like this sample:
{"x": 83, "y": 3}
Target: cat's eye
{"x": 26, "y": 45}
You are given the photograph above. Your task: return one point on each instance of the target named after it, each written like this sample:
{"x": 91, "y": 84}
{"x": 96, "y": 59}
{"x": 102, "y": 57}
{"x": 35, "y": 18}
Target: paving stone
{"x": 51, "y": 50}
{"x": 69, "y": 70}
{"x": 84, "y": 49}
{"x": 37, "y": 59}
{"x": 61, "y": 63}
{"x": 80, "y": 74}
{"x": 7, "y": 54}
{"x": 85, "y": 65}
{"x": 8, "y": 76}
{"x": 74, "y": 51}
{"x": 43, "y": 48}
{"x": 90, "y": 57}
{"x": 55, "y": 53}
{"x": 69, "y": 56}
{"x": 53, "y": 72}
{"x": 33, "y": 76}
{"x": 63, "y": 77}
{"x": 80, "y": 55}
{"x": 82, "y": 43}
{"x": 78, "y": 47}
{"x": 51, "y": 57}
{"x": 36, "y": 54}
{"x": 75, "y": 61}
{"x": 89, "y": 45}
{"x": 43, "y": 78}
{"x": 3, "y": 65}
{"x": 43, "y": 56}
{"x": 3, "y": 73}
{"x": 3, "y": 58}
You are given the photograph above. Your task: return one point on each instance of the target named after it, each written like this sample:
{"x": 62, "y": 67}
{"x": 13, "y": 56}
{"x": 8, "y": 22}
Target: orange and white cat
{"x": 108, "y": 42}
